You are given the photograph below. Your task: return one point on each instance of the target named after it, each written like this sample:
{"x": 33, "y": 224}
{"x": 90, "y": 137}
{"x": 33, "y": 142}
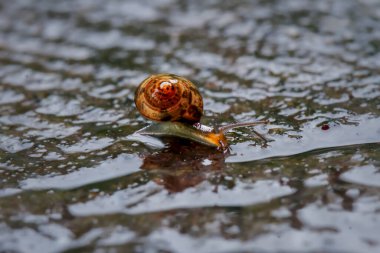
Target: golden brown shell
{"x": 168, "y": 97}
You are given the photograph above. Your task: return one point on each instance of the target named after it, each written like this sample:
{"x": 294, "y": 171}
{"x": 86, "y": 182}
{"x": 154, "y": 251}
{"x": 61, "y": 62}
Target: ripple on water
{"x": 37, "y": 127}
{"x": 33, "y": 45}
{"x": 38, "y": 81}
{"x": 311, "y": 138}
{"x": 14, "y": 144}
{"x": 120, "y": 166}
{"x": 74, "y": 177}
{"x": 110, "y": 39}
{"x": 367, "y": 175}
{"x": 58, "y": 106}
{"x": 87, "y": 145}
{"x": 180, "y": 241}
{"x": 99, "y": 115}
{"x": 58, "y": 131}
{"x": 153, "y": 198}
{"x": 9, "y": 191}
{"x": 53, "y": 156}
{"x": 10, "y": 96}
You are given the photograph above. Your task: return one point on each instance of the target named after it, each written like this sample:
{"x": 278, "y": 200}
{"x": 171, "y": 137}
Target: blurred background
{"x": 75, "y": 178}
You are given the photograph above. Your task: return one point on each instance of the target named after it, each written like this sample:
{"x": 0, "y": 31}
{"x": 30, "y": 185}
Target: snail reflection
{"x": 183, "y": 164}
{"x": 176, "y": 105}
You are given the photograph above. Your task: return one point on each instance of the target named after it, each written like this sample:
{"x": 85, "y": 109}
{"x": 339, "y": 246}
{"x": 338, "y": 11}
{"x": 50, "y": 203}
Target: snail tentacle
{"x": 226, "y": 128}
{"x": 229, "y": 127}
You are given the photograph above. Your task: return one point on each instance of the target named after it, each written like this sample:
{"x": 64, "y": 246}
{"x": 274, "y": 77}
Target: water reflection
{"x": 70, "y": 177}
{"x": 183, "y": 164}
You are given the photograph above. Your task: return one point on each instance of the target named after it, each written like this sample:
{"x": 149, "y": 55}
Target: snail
{"x": 167, "y": 97}
{"x": 176, "y": 105}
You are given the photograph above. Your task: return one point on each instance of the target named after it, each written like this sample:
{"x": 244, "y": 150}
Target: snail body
{"x": 168, "y": 97}
{"x": 198, "y": 133}
{"x": 177, "y": 107}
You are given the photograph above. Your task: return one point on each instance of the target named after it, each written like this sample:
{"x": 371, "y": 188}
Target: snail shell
{"x": 168, "y": 97}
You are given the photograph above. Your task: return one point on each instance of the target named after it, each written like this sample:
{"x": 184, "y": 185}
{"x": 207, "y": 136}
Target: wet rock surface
{"x": 75, "y": 178}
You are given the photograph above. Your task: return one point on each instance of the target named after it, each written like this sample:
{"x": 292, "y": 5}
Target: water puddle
{"x": 75, "y": 176}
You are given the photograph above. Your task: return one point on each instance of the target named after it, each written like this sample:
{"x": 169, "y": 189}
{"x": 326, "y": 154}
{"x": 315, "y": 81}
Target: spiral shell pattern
{"x": 168, "y": 97}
